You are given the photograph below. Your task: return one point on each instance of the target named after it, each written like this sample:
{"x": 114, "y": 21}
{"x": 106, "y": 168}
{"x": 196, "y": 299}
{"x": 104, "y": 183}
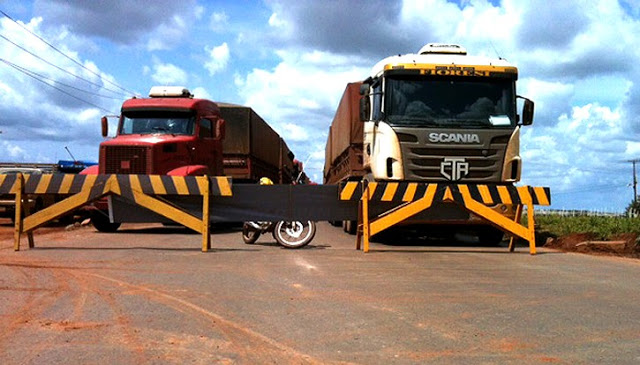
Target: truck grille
{"x": 483, "y": 164}
{"x": 126, "y": 160}
{"x": 423, "y": 162}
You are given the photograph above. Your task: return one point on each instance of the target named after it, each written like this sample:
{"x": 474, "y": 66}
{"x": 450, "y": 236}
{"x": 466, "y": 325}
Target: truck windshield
{"x": 451, "y": 102}
{"x": 157, "y": 122}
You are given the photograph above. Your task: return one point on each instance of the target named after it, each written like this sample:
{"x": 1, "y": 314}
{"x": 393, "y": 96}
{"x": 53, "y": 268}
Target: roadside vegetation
{"x": 604, "y": 227}
{"x": 591, "y": 233}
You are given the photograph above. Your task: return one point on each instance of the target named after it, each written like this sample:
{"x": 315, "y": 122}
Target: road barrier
{"x": 162, "y": 197}
{"x": 413, "y": 198}
{"x": 143, "y": 190}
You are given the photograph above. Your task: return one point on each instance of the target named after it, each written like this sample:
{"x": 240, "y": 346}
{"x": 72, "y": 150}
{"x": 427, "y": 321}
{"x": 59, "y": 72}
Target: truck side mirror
{"x": 527, "y": 112}
{"x": 365, "y": 108}
{"x": 364, "y": 89}
{"x": 105, "y": 126}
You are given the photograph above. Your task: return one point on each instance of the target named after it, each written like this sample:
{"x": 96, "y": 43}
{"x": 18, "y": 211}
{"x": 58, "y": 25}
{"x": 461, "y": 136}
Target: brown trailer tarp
{"x": 347, "y": 129}
{"x": 249, "y": 137}
{"x": 344, "y": 144}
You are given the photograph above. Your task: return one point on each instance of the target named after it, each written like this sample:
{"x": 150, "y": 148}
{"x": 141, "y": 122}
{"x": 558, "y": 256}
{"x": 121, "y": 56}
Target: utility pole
{"x": 635, "y": 180}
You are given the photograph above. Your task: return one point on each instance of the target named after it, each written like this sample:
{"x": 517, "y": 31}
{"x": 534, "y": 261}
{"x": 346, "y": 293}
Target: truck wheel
{"x": 100, "y": 221}
{"x": 490, "y": 236}
{"x": 350, "y": 226}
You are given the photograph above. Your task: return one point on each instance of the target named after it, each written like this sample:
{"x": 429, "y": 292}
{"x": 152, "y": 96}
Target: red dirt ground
{"x": 7, "y": 229}
{"x": 587, "y": 243}
{"x": 624, "y": 245}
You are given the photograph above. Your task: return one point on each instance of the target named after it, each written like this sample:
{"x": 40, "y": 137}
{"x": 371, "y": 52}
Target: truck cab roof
{"x": 203, "y": 106}
{"x": 433, "y": 55}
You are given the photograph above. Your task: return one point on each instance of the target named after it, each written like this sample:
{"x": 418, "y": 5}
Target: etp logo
{"x": 454, "y": 169}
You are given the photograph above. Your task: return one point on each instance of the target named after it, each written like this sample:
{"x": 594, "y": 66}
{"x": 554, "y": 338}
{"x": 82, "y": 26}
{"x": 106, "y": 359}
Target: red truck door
{"x": 208, "y": 150}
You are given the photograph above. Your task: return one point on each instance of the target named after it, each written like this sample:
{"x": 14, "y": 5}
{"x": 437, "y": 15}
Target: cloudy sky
{"x": 290, "y": 61}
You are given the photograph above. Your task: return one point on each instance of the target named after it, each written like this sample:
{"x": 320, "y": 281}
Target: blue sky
{"x": 290, "y": 61}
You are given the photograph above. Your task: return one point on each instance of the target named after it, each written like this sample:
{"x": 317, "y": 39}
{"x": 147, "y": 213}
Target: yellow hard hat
{"x": 266, "y": 181}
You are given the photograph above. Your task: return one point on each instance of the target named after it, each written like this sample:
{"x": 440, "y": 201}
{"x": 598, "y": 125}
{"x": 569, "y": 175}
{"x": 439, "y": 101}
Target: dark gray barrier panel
{"x": 251, "y": 202}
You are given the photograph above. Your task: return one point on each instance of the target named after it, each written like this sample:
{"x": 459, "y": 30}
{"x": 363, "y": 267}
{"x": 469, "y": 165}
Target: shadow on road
{"x": 177, "y": 249}
{"x": 399, "y": 239}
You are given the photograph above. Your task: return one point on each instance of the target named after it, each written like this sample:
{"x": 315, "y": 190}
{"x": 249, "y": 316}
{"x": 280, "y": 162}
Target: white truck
{"x": 437, "y": 116}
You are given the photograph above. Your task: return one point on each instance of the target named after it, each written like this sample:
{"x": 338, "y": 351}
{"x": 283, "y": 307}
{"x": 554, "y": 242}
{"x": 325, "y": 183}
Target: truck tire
{"x": 350, "y": 227}
{"x": 490, "y": 236}
{"x": 101, "y": 222}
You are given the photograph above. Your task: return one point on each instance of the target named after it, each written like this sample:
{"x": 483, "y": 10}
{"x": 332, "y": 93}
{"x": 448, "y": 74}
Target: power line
{"x": 24, "y": 70}
{"x": 62, "y": 91}
{"x": 67, "y": 56}
{"x": 60, "y": 68}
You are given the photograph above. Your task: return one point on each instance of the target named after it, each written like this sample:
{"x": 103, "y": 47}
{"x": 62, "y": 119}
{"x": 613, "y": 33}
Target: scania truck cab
{"x": 443, "y": 116}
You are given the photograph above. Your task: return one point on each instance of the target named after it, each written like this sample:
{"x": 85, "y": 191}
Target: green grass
{"x": 604, "y": 227}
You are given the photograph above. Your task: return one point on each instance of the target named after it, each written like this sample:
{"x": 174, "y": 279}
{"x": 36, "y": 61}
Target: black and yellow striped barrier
{"x": 414, "y": 198}
{"x": 139, "y": 189}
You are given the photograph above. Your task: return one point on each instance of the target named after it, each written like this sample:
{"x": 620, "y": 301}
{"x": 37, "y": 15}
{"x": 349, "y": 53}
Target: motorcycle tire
{"x": 249, "y": 234}
{"x": 294, "y": 234}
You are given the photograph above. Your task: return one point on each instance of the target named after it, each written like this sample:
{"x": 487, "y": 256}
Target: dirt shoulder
{"x": 7, "y": 229}
{"x": 623, "y": 245}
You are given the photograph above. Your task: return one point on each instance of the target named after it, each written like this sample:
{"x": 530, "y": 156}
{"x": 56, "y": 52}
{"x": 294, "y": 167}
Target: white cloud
{"x": 218, "y": 58}
{"x": 294, "y": 132}
{"x": 197, "y": 13}
{"x": 168, "y": 35}
{"x": 201, "y": 93}
{"x": 552, "y": 99}
{"x": 581, "y": 153}
{"x": 276, "y": 22}
{"x": 168, "y": 74}
{"x": 15, "y": 153}
{"x": 299, "y": 96}
{"x": 51, "y": 108}
{"x": 632, "y": 148}
{"x": 219, "y": 21}
{"x": 161, "y": 24}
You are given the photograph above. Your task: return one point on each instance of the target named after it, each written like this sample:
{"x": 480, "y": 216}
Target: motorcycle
{"x": 288, "y": 234}
{"x": 293, "y": 234}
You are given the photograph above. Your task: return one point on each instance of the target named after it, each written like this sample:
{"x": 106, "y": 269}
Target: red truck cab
{"x": 169, "y": 133}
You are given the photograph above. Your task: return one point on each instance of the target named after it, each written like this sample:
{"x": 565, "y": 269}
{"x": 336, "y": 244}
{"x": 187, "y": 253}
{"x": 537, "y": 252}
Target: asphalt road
{"x": 148, "y": 295}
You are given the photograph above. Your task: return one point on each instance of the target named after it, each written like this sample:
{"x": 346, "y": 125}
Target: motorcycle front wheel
{"x": 249, "y": 234}
{"x": 294, "y": 234}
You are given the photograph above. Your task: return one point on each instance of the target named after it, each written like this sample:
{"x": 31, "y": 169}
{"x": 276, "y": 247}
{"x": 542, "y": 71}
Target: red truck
{"x": 173, "y": 133}
{"x": 169, "y": 133}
